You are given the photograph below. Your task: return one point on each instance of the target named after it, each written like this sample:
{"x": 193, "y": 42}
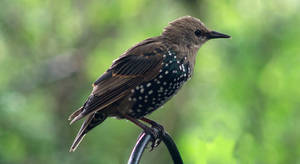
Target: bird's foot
{"x": 156, "y": 133}
{"x": 158, "y": 130}
{"x": 155, "y": 137}
{"x": 161, "y": 132}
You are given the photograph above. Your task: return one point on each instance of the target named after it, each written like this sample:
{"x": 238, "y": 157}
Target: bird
{"x": 145, "y": 77}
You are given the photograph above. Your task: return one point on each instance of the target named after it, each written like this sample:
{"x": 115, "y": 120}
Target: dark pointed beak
{"x": 215, "y": 35}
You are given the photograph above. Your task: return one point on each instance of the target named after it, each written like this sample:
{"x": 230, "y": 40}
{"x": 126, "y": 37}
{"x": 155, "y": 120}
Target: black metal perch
{"x": 142, "y": 142}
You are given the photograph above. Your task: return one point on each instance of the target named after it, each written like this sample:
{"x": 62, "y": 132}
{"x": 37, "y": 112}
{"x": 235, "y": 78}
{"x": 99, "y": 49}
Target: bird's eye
{"x": 198, "y": 33}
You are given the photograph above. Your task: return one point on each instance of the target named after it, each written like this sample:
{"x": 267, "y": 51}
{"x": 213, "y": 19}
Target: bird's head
{"x": 190, "y": 32}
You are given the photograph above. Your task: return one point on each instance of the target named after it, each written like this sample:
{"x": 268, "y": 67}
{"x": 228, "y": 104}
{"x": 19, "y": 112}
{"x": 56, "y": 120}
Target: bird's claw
{"x": 156, "y": 132}
{"x": 154, "y": 137}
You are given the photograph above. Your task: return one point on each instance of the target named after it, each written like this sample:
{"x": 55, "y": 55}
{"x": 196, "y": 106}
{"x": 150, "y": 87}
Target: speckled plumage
{"x": 150, "y": 95}
{"x": 146, "y": 76}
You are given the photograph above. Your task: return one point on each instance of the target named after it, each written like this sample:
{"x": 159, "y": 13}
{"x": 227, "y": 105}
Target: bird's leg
{"x": 152, "y": 131}
{"x": 153, "y": 124}
{"x": 160, "y": 128}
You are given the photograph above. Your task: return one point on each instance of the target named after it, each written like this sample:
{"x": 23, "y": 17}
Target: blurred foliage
{"x": 242, "y": 105}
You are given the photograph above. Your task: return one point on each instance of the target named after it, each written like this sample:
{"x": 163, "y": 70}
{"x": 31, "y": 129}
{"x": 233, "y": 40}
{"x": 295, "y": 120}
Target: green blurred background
{"x": 242, "y": 105}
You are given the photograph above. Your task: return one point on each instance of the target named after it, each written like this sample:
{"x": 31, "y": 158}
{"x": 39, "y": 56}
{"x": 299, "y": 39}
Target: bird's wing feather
{"x": 138, "y": 64}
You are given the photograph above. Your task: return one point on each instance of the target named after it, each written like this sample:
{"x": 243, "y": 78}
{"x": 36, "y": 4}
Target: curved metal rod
{"x": 142, "y": 142}
{"x": 173, "y": 150}
{"x": 139, "y": 148}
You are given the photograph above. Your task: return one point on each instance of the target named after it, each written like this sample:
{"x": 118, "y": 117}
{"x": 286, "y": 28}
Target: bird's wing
{"x": 138, "y": 64}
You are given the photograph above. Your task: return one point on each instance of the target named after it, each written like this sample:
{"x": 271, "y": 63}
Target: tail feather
{"x": 76, "y": 113}
{"x": 76, "y": 142}
{"x": 81, "y": 133}
{"x": 78, "y": 117}
{"x": 91, "y": 122}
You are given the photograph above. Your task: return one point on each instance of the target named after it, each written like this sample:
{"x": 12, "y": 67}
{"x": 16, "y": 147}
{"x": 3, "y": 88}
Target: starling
{"x": 145, "y": 77}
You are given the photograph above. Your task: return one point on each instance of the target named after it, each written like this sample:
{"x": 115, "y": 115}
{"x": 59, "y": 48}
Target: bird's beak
{"x": 215, "y": 35}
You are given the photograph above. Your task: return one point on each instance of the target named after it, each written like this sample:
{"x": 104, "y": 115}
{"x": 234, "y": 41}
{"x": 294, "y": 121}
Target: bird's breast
{"x": 152, "y": 94}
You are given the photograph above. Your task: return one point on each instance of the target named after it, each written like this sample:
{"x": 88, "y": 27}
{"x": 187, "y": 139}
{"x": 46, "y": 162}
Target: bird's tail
{"x": 76, "y": 113}
{"x": 91, "y": 122}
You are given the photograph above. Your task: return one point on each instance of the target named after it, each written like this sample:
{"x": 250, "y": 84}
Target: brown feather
{"x": 91, "y": 122}
{"x": 141, "y": 62}
{"x": 76, "y": 113}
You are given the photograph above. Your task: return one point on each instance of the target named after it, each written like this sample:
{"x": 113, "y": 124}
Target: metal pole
{"x": 142, "y": 142}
